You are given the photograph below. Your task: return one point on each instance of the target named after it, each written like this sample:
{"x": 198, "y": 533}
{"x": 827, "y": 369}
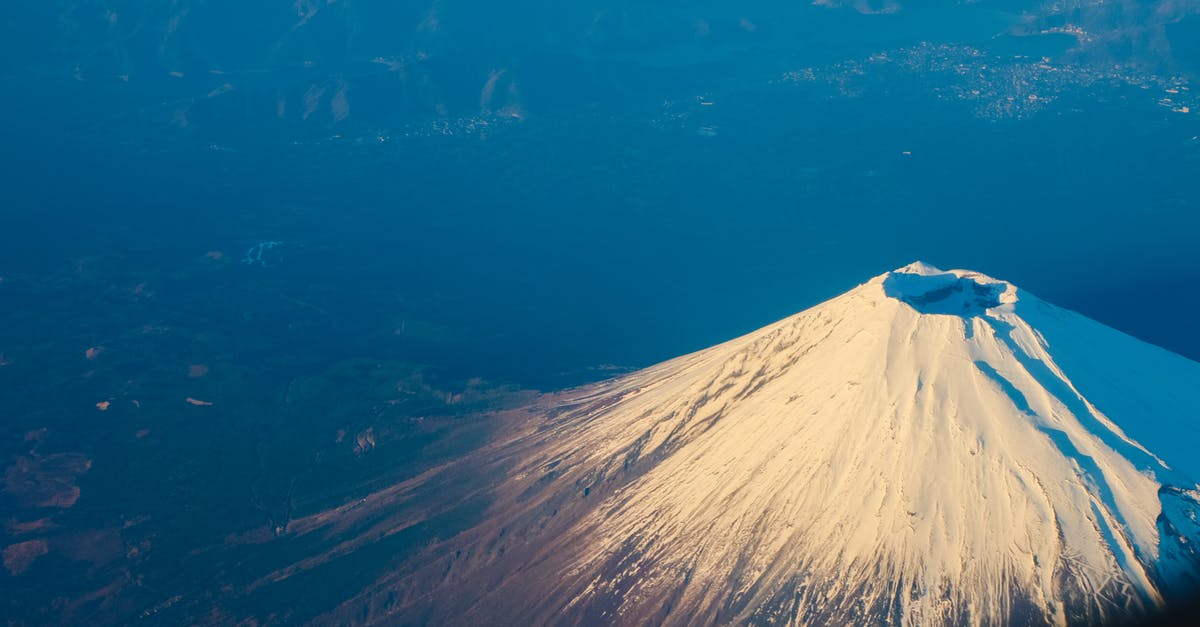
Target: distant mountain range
{"x": 373, "y": 62}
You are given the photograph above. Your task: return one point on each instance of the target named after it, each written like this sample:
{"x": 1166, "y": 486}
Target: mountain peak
{"x": 927, "y": 448}
{"x": 917, "y": 267}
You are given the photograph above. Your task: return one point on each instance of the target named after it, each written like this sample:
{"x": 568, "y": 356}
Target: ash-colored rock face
{"x": 929, "y": 448}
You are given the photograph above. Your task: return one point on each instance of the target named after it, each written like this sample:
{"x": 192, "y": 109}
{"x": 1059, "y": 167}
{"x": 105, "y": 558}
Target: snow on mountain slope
{"x": 931, "y": 447}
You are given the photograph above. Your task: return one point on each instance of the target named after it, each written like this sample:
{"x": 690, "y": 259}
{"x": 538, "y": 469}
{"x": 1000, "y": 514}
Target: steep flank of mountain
{"x": 929, "y": 448}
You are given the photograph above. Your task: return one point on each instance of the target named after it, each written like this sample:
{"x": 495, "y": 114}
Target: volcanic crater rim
{"x": 958, "y": 292}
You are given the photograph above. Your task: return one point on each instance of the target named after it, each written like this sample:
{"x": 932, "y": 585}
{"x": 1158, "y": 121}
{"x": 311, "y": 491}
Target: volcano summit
{"x": 928, "y": 448}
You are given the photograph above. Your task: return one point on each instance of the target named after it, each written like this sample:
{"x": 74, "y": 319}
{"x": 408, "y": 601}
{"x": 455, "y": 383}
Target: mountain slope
{"x": 917, "y": 450}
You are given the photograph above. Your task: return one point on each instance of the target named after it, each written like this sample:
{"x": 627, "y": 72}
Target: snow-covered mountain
{"x": 930, "y": 447}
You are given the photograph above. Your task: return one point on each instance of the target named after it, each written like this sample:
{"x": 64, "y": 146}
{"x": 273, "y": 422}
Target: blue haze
{"x": 331, "y": 219}
{"x": 596, "y": 238}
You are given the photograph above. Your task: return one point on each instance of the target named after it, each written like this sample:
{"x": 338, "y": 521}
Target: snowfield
{"x": 929, "y": 448}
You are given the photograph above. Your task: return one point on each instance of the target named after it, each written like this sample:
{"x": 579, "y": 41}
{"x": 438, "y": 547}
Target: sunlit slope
{"x": 916, "y": 450}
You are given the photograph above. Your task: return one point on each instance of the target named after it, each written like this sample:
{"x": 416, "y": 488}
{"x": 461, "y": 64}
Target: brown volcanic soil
{"x": 46, "y": 480}
{"x": 18, "y": 557}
